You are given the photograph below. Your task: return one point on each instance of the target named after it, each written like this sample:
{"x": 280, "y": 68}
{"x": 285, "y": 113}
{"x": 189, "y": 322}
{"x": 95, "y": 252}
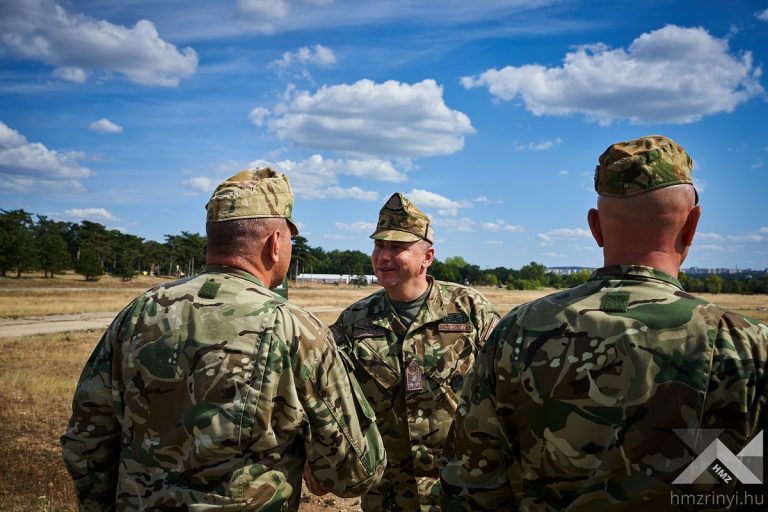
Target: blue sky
{"x": 489, "y": 115}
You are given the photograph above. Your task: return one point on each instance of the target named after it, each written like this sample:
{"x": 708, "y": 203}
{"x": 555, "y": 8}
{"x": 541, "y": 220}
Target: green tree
{"x": 578, "y": 277}
{"x": 488, "y": 279}
{"x": 54, "y": 254}
{"x": 443, "y": 272}
{"x": 18, "y": 246}
{"x": 127, "y": 252}
{"x": 556, "y": 280}
{"x": 303, "y": 257}
{"x": 534, "y": 272}
{"x": 465, "y": 272}
{"x": 188, "y": 251}
{"x": 714, "y": 283}
{"x": 523, "y": 284}
{"x": 95, "y": 237}
{"x": 153, "y": 255}
{"x": 89, "y": 264}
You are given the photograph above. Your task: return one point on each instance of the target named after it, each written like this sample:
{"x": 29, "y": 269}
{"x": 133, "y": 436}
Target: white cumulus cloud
{"x": 424, "y": 198}
{"x": 356, "y": 226}
{"x": 318, "y": 177}
{"x": 563, "y": 233}
{"x": 200, "y": 184}
{"x": 260, "y": 15}
{"x": 500, "y": 225}
{"x": 77, "y": 45}
{"x": 463, "y": 224}
{"x": 105, "y": 126}
{"x": 673, "y": 74}
{"x": 30, "y": 166}
{"x": 317, "y": 55}
{"x": 70, "y": 74}
{"x": 386, "y": 120}
{"x": 95, "y": 214}
{"x": 762, "y": 15}
{"x": 258, "y": 115}
{"x": 541, "y": 145}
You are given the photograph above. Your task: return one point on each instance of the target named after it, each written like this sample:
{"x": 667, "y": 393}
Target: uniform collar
{"x": 638, "y": 272}
{"x": 432, "y": 310}
{"x": 384, "y": 314}
{"x": 224, "y": 269}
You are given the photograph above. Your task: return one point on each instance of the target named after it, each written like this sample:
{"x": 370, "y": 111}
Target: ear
{"x": 272, "y": 247}
{"x": 429, "y": 257}
{"x": 593, "y": 219}
{"x": 689, "y": 228}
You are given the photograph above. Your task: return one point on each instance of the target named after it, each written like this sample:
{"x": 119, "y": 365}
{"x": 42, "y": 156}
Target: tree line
{"x": 49, "y": 246}
{"x": 41, "y": 244}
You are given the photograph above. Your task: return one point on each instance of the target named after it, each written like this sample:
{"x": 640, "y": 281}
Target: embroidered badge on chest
{"x": 413, "y": 377}
{"x": 455, "y": 322}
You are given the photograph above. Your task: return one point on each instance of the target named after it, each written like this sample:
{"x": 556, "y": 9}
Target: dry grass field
{"x": 38, "y": 374}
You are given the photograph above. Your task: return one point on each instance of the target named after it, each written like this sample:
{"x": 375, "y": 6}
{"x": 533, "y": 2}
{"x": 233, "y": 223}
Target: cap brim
{"x": 292, "y": 227}
{"x": 394, "y": 235}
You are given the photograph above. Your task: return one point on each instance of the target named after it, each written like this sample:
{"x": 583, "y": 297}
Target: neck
{"x": 408, "y": 291}
{"x": 666, "y": 262}
{"x": 244, "y": 265}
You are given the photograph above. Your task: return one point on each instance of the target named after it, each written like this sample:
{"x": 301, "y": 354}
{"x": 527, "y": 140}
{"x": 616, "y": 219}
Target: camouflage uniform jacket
{"x": 441, "y": 344}
{"x": 209, "y": 393}
{"x": 573, "y": 400}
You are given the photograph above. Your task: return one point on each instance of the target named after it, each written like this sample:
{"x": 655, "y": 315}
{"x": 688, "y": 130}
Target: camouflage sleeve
{"x": 487, "y": 318}
{"x": 344, "y": 448}
{"x": 474, "y": 472}
{"x": 91, "y": 444}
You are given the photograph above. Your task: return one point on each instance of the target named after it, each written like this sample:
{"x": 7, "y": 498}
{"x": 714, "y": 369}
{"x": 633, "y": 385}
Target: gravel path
{"x": 31, "y": 325}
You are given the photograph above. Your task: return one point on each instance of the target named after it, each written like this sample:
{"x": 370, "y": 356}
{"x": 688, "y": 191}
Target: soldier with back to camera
{"x": 602, "y": 396}
{"x": 212, "y": 392}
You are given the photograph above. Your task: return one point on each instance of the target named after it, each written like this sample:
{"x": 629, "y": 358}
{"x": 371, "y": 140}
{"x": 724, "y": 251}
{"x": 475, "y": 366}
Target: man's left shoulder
{"x": 459, "y": 291}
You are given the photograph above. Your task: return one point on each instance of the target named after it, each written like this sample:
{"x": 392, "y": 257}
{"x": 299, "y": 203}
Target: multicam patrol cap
{"x": 253, "y": 194}
{"x": 636, "y": 166}
{"x": 401, "y": 221}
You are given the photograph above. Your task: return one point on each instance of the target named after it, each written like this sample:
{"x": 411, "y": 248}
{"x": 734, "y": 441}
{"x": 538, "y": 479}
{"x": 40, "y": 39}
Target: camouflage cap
{"x": 401, "y": 221}
{"x": 636, "y": 166}
{"x": 253, "y": 194}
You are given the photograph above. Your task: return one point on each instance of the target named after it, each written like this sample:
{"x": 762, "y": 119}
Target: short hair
{"x": 242, "y": 235}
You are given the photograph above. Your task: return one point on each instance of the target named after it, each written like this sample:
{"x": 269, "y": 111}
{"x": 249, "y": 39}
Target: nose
{"x": 385, "y": 253}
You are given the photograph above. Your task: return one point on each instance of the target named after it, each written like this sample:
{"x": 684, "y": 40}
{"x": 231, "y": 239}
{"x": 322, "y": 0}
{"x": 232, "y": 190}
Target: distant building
{"x": 566, "y": 271}
{"x": 717, "y": 270}
{"x": 332, "y": 278}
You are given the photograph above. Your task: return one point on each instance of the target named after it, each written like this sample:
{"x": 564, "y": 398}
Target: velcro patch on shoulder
{"x": 338, "y": 334}
{"x": 209, "y": 290}
{"x": 614, "y": 302}
{"x": 368, "y": 330}
{"x": 489, "y": 329}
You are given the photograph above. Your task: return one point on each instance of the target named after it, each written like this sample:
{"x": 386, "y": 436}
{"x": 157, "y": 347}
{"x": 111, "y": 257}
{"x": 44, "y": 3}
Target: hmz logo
{"x": 746, "y": 466}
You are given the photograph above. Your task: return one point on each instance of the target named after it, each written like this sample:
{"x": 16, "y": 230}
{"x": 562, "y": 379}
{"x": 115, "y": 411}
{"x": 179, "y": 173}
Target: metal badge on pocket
{"x": 413, "y": 377}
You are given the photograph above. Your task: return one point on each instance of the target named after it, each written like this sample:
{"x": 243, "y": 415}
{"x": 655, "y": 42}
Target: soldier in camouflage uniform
{"x": 574, "y": 401}
{"x": 411, "y": 344}
{"x": 212, "y": 392}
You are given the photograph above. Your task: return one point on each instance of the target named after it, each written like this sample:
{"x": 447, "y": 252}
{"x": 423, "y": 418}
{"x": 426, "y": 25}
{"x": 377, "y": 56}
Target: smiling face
{"x": 401, "y": 267}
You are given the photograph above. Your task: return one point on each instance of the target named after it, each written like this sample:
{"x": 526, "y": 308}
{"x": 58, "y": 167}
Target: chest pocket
{"x": 452, "y": 357}
{"x": 377, "y": 368}
{"x": 379, "y": 359}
